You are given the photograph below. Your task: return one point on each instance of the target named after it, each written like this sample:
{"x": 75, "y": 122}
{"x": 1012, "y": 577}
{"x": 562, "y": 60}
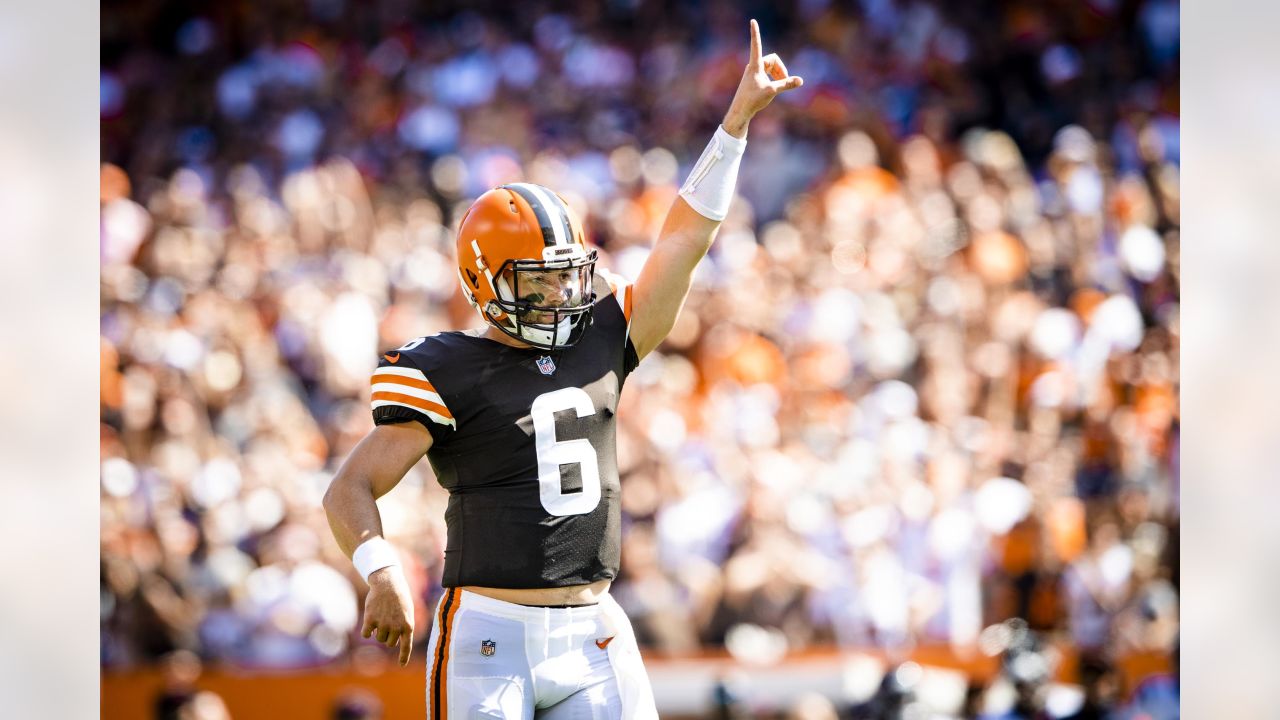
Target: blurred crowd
{"x": 926, "y": 380}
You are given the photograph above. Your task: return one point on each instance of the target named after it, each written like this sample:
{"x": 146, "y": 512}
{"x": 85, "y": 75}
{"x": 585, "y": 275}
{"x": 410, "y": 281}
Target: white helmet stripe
{"x": 555, "y": 209}
{"x": 484, "y": 266}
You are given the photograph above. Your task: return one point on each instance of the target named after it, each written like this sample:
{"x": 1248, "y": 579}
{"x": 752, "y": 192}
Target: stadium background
{"x": 922, "y": 405}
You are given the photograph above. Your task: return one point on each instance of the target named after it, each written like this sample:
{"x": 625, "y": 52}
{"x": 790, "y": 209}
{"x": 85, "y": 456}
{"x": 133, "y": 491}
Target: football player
{"x": 517, "y": 420}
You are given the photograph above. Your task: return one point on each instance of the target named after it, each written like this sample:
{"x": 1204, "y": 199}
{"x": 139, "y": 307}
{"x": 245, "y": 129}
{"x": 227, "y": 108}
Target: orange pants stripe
{"x": 439, "y": 709}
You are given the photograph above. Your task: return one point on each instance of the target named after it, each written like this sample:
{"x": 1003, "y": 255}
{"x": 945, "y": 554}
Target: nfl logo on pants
{"x": 488, "y": 647}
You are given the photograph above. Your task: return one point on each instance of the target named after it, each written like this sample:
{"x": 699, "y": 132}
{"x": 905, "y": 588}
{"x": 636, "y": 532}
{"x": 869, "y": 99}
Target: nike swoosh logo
{"x": 391, "y": 359}
{"x": 603, "y": 643}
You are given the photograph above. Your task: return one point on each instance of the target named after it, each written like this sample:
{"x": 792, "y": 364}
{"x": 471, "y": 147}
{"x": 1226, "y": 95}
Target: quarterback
{"x": 517, "y": 421}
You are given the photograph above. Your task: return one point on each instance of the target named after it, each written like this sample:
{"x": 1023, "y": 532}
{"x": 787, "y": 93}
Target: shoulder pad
{"x": 621, "y": 288}
{"x": 401, "y": 382}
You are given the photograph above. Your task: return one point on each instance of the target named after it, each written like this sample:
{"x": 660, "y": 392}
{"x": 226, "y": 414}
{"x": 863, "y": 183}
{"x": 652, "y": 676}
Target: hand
{"x": 764, "y": 78}
{"x": 388, "y": 611}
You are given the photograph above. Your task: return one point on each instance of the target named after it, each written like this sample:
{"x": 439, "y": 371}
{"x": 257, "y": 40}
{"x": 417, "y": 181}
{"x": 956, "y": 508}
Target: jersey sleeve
{"x": 623, "y": 292}
{"x": 401, "y": 392}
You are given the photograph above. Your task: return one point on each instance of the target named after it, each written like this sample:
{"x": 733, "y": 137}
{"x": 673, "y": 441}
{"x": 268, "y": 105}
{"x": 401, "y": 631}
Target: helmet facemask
{"x": 547, "y": 304}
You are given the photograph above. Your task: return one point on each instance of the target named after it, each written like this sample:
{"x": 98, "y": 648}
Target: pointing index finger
{"x": 755, "y": 44}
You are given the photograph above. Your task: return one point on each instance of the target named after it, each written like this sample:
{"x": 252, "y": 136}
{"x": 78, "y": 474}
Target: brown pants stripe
{"x": 439, "y": 685}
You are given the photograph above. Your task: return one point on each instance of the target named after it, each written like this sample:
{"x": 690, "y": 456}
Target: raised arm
{"x": 703, "y": 202}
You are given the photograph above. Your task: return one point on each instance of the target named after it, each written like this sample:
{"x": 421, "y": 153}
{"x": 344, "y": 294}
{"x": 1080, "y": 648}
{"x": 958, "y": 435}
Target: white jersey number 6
{"x": 552, "y": 454}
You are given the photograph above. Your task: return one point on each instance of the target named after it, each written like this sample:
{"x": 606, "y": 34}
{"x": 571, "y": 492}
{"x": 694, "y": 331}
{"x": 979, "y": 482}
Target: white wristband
{"x": 709, "y": 188}
{"x": 372, "y": 555}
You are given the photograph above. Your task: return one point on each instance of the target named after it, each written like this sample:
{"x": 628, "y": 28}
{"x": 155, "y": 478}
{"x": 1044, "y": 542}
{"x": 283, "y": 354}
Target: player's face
{"x": 561, "y": 288}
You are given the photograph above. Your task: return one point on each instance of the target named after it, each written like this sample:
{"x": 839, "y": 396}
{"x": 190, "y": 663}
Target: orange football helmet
{"x": 525, "y": 266}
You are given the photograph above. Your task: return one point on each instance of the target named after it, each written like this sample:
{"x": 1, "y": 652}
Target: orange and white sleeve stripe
{"x": 622, "y": 292}
{"x": 408, "y": 387}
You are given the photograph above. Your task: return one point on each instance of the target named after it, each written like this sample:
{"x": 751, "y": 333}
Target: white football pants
{"x": 493, "y": 659}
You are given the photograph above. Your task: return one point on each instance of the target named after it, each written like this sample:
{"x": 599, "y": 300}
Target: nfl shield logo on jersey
{"x": 546, "y": 365}
{"x": 488, "y": 648}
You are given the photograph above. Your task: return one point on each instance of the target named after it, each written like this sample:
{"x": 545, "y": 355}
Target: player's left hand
{"x": 763, "y": 79}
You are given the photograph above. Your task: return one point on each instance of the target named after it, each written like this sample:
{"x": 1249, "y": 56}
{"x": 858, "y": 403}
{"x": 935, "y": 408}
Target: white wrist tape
{"x": 372, "y": 555}
{"x": 709, "y": 188}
